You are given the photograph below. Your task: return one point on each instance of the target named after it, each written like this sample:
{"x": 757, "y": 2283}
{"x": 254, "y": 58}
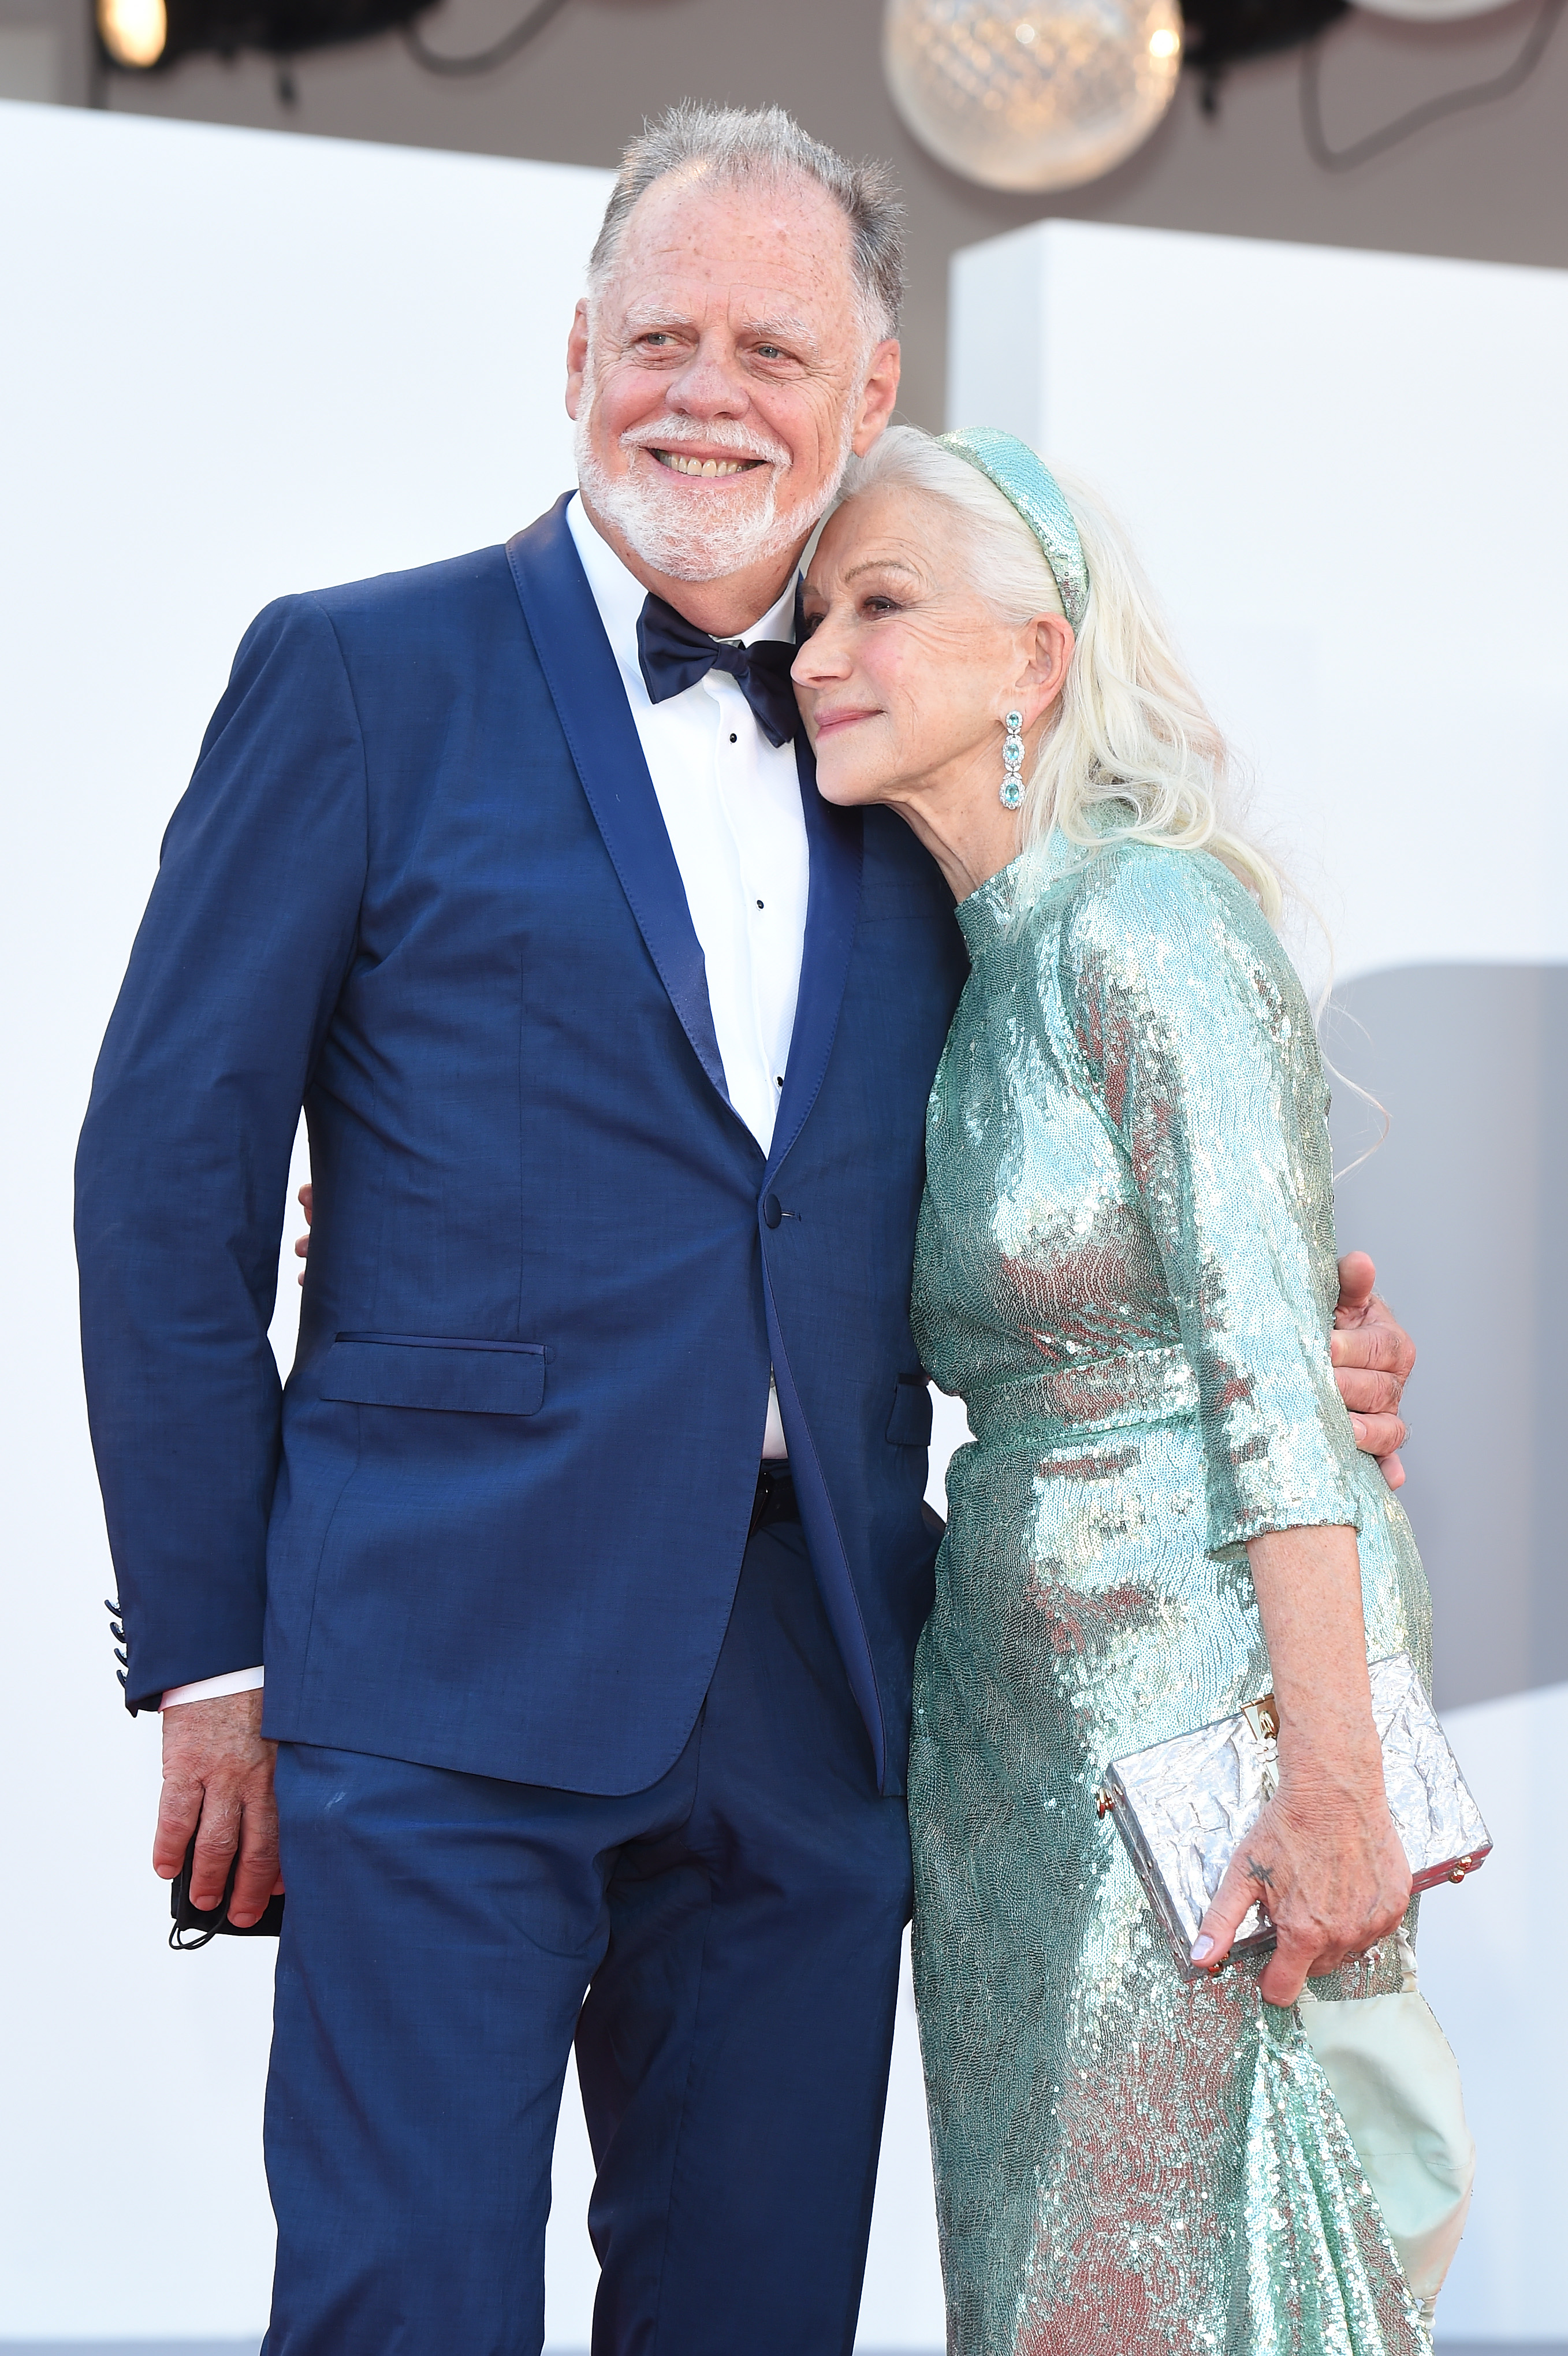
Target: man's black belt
{"x": 774, "y": 1500}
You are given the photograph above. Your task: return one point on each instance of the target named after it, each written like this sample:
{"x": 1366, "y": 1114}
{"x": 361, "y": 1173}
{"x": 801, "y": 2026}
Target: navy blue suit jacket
{"x": 420, "y": 883}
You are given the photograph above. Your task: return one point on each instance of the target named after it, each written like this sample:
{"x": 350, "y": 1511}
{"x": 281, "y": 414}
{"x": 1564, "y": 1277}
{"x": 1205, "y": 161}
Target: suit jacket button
{"x": 772, "y": 1214}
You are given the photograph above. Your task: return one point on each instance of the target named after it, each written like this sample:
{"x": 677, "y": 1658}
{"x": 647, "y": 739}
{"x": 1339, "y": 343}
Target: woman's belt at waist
{"x": 1130, "y": 1387}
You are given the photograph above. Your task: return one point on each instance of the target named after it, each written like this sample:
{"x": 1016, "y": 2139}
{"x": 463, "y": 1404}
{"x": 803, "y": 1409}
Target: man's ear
{"x": 880, "y": 393}
{"x": 576, "y": 357}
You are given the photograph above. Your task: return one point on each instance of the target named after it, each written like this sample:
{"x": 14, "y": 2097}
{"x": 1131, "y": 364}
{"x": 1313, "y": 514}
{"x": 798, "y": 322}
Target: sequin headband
{"x": 1029, "y": 484}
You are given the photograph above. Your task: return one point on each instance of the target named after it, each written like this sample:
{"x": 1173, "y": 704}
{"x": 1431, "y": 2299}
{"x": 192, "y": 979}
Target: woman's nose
{"x": 820, "y": 658}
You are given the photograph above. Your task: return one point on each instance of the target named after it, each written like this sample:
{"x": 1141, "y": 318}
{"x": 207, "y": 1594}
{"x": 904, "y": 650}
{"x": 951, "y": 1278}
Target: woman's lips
{"x": 827, "y": 722}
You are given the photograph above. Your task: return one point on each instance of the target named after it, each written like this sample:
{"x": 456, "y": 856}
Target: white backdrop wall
{"x": 1348, "y": 476}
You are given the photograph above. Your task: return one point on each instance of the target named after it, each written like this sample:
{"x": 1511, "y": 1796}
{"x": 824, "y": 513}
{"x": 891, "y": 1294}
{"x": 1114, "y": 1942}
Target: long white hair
{"x": 1132, "y": 754}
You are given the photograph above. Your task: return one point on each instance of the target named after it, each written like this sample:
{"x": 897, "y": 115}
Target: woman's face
{"x": 906, "y": 672}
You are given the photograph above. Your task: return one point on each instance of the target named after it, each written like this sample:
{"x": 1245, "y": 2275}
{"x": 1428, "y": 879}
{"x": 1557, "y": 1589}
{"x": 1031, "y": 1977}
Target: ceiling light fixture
{"x": 134, "y": 32}
{"x": 1033, "y": 99}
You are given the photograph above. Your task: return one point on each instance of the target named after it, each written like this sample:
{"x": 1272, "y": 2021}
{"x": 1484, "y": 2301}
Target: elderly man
{"x": 586, "y": 1549}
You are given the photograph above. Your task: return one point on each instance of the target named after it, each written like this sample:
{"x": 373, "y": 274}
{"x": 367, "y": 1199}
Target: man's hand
{"x": 307, "y": 1203}
{"x": 1373, "y": 1357}
{"x": 217, "y": 1784}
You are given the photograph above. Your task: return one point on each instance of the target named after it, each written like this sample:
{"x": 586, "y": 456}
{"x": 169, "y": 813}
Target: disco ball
{"x": 1043, "y": 94}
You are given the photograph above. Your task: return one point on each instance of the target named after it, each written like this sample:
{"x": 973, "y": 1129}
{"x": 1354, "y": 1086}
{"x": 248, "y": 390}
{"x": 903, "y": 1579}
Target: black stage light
{"x": 1224, "y": 33}
{"x": 148, "y": 36}
{"x": 143, "y": 36}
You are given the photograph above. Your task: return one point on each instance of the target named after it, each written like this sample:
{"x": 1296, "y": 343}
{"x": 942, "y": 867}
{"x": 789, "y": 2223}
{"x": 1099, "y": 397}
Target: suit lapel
{"x": 580, "y": 671}
{"x": 835, "y": 839}
{"x": 585, "y": 685}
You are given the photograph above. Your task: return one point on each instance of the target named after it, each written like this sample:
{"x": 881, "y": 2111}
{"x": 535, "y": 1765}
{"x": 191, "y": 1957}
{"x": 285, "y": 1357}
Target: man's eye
{"x": 769, "y": 352}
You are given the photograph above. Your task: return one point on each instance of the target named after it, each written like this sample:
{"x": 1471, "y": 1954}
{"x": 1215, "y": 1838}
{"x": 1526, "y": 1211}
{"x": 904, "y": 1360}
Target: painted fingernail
{"x": 1201, "y": 1946}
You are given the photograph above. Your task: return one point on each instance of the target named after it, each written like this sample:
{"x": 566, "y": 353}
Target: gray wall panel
{"x": 1462, "y": 1206}
{"x": 1492, "y": 184}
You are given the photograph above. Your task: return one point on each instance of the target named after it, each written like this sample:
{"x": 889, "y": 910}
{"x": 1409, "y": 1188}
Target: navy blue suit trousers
{"x": 735, "y": 1929}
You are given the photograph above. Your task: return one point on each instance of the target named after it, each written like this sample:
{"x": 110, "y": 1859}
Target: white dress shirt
{"x": 732, "y": 806}
{"x": 730, "y": 803}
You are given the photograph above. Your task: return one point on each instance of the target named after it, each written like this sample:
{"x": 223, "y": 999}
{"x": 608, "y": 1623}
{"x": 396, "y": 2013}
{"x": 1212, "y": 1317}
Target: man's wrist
{"x": 233, "y": 1681}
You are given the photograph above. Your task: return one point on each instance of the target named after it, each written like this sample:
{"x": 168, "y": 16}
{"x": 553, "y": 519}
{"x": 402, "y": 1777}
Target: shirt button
{"x": 772, "y": 1213}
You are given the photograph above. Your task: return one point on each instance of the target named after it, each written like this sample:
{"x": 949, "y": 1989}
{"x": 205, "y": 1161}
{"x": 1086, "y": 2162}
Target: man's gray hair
{"x": 730, "y": 144}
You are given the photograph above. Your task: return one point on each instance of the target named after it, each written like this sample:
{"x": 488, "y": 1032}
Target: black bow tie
{"x": 675, "y": 654}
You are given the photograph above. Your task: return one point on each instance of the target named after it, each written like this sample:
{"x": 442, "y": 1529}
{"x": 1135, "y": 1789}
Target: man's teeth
{"x": 703, "y": 465}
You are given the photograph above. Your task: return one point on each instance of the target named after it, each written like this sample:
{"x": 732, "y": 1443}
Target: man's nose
{"x": 709, "y": 385}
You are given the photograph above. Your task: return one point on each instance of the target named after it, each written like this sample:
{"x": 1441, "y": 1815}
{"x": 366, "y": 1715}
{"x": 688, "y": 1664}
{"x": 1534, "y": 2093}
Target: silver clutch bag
{"x": 1183, "y": 1807}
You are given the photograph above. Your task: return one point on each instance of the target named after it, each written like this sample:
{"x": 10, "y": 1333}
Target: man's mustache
{"x": 721, "y": 434}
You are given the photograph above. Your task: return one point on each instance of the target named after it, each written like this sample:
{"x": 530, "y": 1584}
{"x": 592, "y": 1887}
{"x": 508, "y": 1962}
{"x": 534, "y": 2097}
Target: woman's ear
{"x": 1049, "y": 642}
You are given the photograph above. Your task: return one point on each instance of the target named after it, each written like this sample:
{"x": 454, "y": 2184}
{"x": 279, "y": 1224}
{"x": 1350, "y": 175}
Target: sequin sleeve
{"x": 1196, "y": 1042}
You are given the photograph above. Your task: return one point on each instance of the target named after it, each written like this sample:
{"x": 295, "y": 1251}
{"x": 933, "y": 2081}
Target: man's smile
{"x": 687, "y": 461}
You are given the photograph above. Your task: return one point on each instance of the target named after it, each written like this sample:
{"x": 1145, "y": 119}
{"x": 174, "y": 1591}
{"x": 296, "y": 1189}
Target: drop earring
{"x": 1013, "y": 762}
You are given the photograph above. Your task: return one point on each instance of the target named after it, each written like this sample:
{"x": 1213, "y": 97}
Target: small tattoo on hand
{"x": 1261, "y": 1874}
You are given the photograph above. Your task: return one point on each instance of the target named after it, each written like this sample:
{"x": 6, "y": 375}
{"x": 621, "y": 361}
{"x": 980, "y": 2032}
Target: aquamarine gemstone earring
{"x": 1013, "y": 762}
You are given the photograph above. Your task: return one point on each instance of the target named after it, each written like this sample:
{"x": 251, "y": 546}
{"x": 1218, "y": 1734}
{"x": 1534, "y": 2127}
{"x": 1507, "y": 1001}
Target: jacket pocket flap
{"x": 461, "y": 1377}
{"x": 909, "y": 1426}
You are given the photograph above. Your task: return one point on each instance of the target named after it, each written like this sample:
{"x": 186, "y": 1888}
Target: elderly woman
{"x": 1125, "y": 1268}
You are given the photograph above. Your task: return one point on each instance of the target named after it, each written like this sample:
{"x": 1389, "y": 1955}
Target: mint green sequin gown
{"x": 1126, "y": 1267}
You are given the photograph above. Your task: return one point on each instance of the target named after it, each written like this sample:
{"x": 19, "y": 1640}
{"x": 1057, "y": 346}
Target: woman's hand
{"x": 1323, "y": 1857}
{"x": 1326, "y": 1864}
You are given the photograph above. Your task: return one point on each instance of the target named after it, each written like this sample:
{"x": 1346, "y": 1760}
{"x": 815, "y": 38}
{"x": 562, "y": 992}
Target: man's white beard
{"x": 693, "y": 538}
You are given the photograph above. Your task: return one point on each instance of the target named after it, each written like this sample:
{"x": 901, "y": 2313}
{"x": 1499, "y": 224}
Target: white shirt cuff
{"x": 211, "y": 1688}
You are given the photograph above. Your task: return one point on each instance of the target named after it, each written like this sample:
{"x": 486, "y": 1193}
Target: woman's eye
{"x": 880, "y": 605}
{"x": 808, "y": 623}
